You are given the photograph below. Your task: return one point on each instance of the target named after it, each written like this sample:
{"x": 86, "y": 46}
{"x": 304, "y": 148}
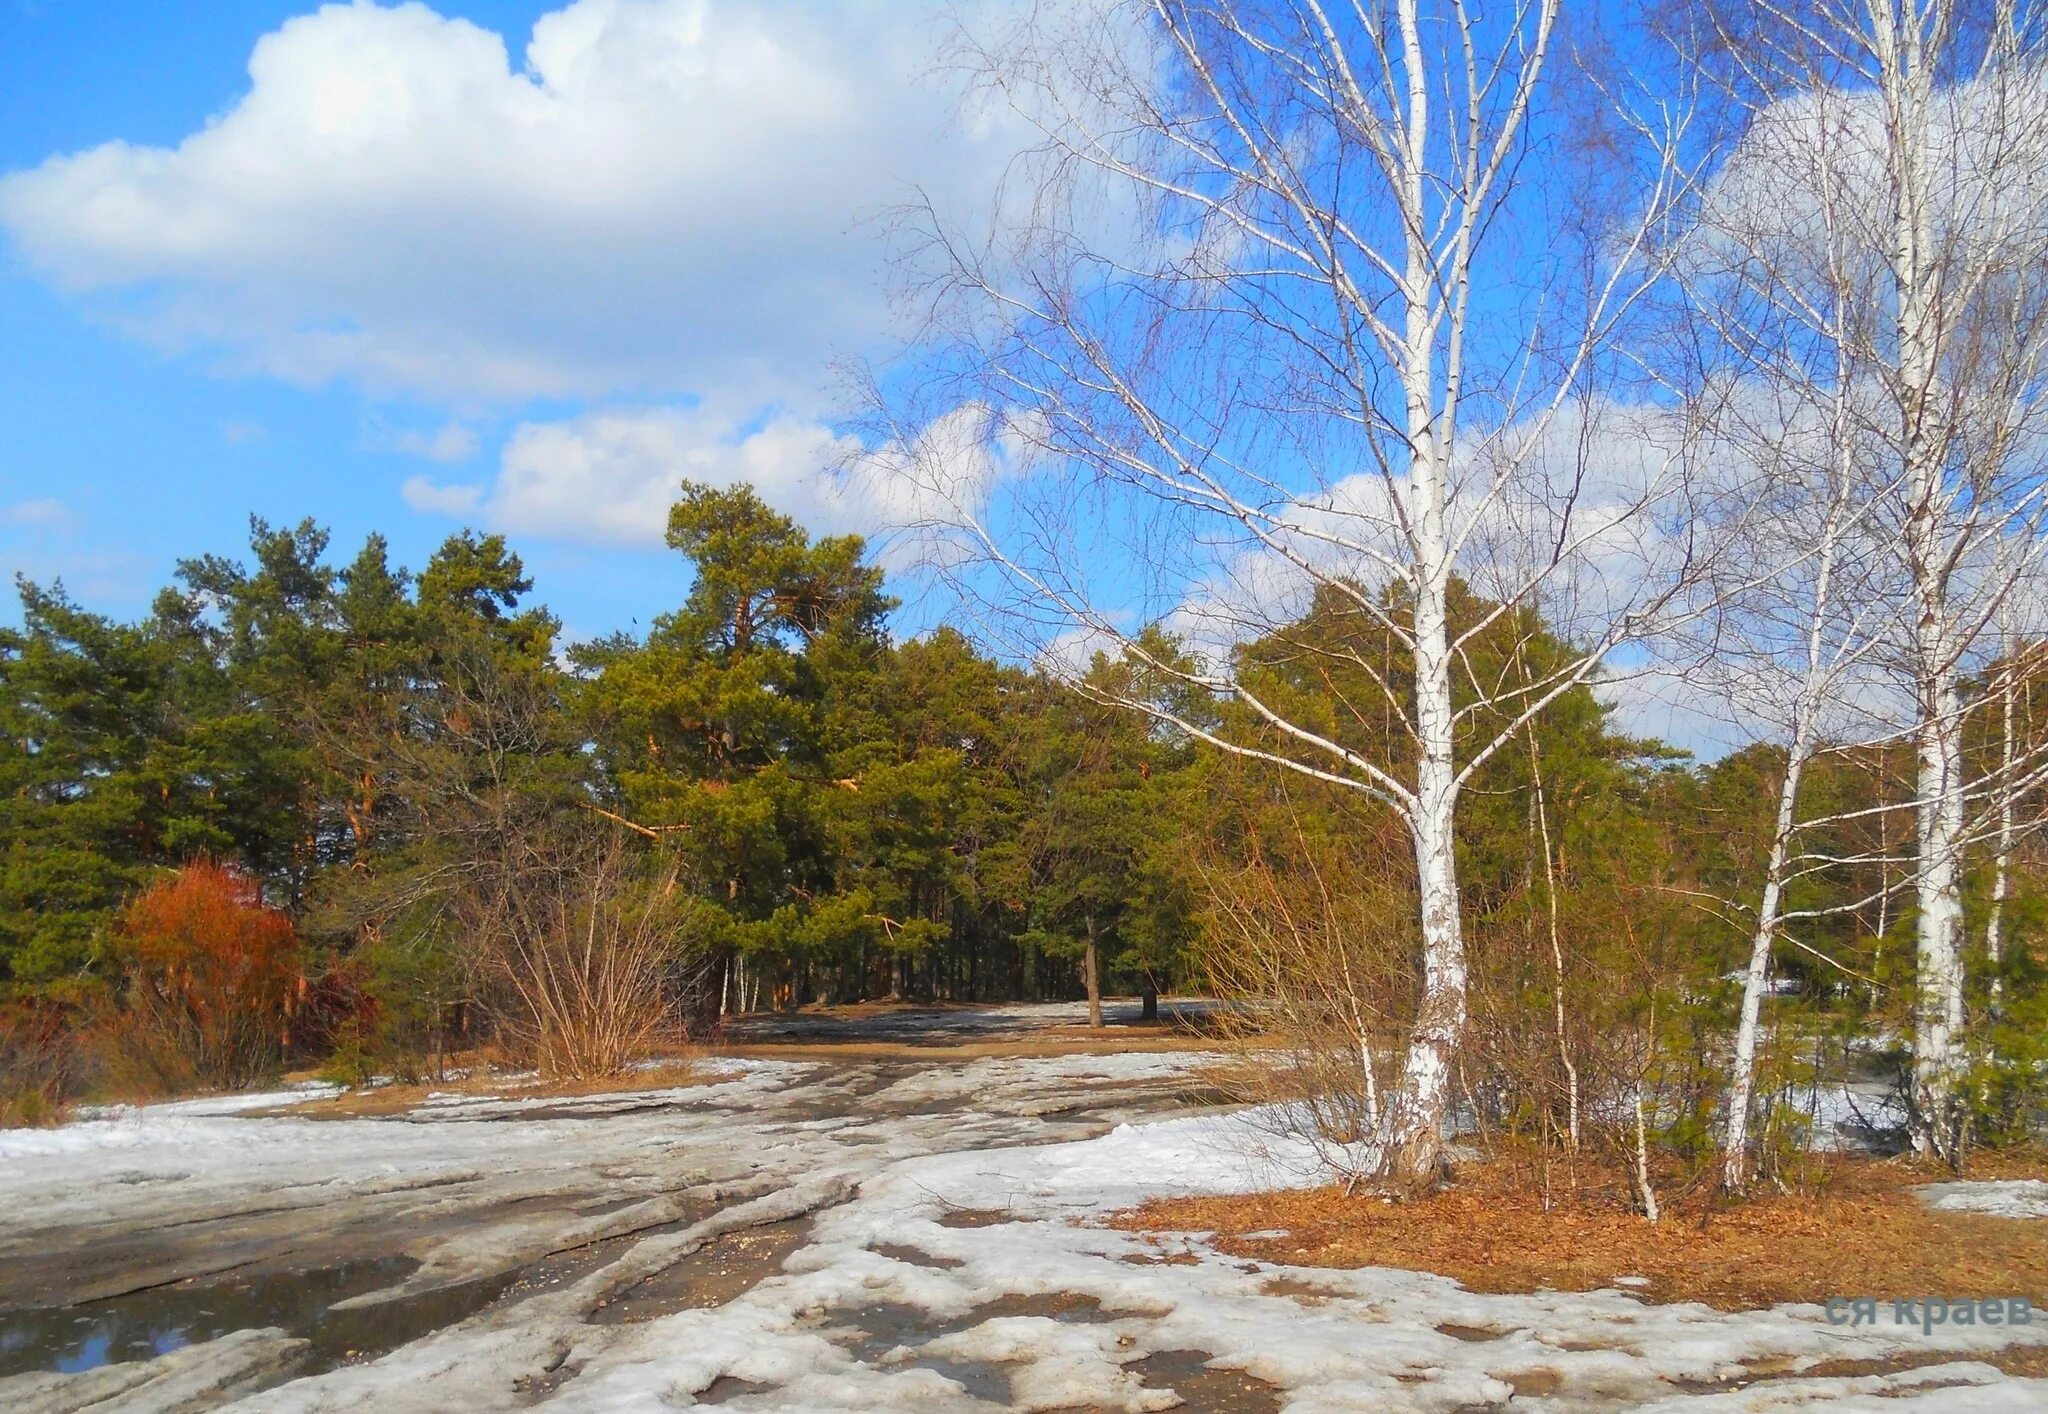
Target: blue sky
{"x": 408, "y": 268}
{"x": 364, "y": 290}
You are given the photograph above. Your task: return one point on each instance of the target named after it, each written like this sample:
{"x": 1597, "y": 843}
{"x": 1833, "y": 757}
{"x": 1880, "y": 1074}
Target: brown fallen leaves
{"x": 1864, "y": 1234}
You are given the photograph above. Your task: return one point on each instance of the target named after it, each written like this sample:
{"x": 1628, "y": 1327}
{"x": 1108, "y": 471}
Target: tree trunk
{"x": 1093, "y": 978}
{"x": 1906, "y": 82}
{"x": 2001, "y": 875}
{"x": 1742, "y": 1071}
{"x": 1938, "y": 996}
{"x": 1550, "y": 872}
{"x": 1151, "y": 994}
{"x": 1413, "y": 1151}
{"x": 1643, "y": 1185}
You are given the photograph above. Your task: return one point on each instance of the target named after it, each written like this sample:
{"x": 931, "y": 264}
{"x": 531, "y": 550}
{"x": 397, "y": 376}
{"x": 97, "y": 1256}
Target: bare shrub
{"x": 1313, "y": 934}
{"x": 581, "y": 948}
{"x": 40, "y": 1063}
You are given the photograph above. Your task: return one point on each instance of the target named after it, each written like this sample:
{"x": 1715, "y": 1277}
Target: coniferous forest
{"x": 411, "y": 785}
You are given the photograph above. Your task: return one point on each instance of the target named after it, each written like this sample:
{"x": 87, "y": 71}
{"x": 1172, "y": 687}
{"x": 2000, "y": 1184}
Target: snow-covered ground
{"x": 952, "y": 1260}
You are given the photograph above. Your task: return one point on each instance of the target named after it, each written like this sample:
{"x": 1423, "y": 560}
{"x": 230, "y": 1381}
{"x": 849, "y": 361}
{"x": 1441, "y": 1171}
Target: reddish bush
{"x": 214, "y": 978}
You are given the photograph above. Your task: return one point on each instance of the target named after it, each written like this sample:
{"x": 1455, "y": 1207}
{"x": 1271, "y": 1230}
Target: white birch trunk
{"x": 2001, "y": 874}
{"x": 1564, "y": 1050}
{"x": 1413, "y": 1156}
{"x": 1412, "y": 1149}
{"x": 1643, "y": 1183}
{"x": 1938, "y": 1005}
{"x": 1735, "y": 1165}
{"x": 1416, "y": 1113}
{"x": 1906, "y": 83}
{"x": 1742, "y": 1070}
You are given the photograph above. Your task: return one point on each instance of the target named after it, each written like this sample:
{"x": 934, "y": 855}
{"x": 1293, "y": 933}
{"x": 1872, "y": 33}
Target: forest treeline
{"x": 335, "y": 812}
{"x": 398, "y": 763}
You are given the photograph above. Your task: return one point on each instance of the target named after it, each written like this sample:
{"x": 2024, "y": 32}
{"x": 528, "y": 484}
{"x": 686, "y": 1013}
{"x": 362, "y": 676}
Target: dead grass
{"x": 1060, "y": 1041}
{"x": 2026, "y": 1361}
{"x": 1865, "y": 1234}
{"x": 370, "y": 1102}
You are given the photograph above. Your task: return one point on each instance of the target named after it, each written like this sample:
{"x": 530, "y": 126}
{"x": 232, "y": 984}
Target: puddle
{"x": 1064, "y": 1306}
{"x": 871, "y": 1333}
{"x": 980, "y": 1379}
{"x": 155, "y": 1322}
{"x": 1188, "y": 1374}
{"x": 143, "y": 1324}
{"x": 146, "y": 1324}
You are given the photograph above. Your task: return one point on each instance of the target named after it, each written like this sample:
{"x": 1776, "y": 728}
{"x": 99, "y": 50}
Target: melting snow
{"x": 2004, "y": 1198}
{"x": 895, "y": 1160}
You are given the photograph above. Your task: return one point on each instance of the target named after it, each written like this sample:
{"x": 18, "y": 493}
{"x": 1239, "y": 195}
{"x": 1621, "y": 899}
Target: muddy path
{"x": 342, "y": 1240}
{"x": 889, "y": 1222}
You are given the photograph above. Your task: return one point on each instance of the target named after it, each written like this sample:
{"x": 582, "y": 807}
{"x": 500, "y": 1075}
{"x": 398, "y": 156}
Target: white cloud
{"x": 452, "y": 443}
{"x": 241, "y": 434}
{"x": 433, "y": 498}
{"x": 610, "y": 477}
{"x": 44, "y": 511}
{"x": 667, "y": 196}
{"x": 40, "y": 541}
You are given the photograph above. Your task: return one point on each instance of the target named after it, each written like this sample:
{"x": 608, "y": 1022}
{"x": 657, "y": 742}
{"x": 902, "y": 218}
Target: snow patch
{"x": 2003, "y": 1198}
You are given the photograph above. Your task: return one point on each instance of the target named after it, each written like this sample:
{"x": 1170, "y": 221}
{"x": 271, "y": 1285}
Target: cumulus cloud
{"x": 609, "y": 477}
{"x": 664, "y": 197}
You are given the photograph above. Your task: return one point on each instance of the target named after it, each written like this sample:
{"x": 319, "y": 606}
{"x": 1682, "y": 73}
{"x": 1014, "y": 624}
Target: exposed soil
{"x": 980, "y": 1217}
{"x": 1202, "y": 1388}
{"x": 1075, "y": 1041}
{"x": 712, "y": 1276}
{"x": 2029, "y": 1361}
{"x": 1866, "y": 1234}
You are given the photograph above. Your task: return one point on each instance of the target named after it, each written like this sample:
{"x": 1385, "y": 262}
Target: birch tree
{"x": 1776, "y": 303}
{"x": 1294, "y": 305}
{"x": 1942, "y": 188}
